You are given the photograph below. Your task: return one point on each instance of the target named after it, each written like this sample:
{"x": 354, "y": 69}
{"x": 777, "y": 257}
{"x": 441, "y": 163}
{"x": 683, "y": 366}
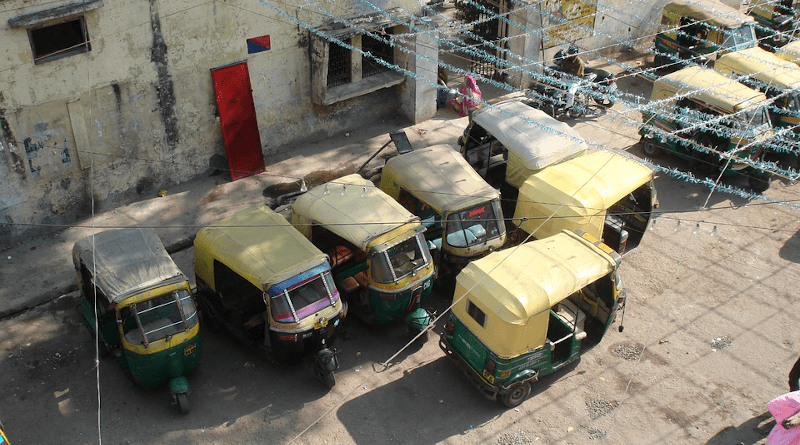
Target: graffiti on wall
{"x": 566, "y": 21}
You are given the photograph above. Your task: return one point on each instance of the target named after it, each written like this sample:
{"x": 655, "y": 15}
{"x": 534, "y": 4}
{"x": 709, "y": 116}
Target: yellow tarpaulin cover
{"x": 761, "y": 65}
{"x": 790, "y": 52}
{"x": 708, "y": 86}
{"x": 438, "y": 176}
{"x": 258, "y": 244}
{"x": 352, "y": 208}
{"x": 712, "y": 12}
{"x": 577, "y": 193}
{"x": 515, "y": 288}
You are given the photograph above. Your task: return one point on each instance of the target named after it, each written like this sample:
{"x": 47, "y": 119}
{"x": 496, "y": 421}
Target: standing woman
{"x": 469, "y": 97}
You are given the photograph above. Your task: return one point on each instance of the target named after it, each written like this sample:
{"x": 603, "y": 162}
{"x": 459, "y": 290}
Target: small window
{"x": 60, "y": 40}
{"x": 476, "y": 313}
{"x": 379, "y": 49}
{"x": 338, "y": 64}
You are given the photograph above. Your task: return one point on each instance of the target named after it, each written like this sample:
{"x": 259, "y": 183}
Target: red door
{"x": 237, "y": 113}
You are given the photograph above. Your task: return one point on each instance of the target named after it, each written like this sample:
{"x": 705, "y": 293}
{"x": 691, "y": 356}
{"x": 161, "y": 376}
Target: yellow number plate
{"x": 189, "y": 349}
{"x": 320, "y": 324}
{"x": 489, "y": 378}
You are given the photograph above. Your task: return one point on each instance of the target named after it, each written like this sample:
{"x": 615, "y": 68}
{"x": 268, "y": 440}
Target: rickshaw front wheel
{"x": 519, "y": 392}
{"x": 183, "y": 402}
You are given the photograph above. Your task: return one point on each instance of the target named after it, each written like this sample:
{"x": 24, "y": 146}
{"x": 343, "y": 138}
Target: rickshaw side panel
{"x": 109, "y": 334}
{"x": 153, "y": 370}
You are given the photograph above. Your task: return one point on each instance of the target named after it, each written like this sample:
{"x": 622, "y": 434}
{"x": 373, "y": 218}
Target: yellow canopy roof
{"x": 518, "y": 283}
{"x": 790, "y": 52}
{"x": 258, "y": 244}
{"x": 761, "y": 65}
{"x": 712, "y": 12}
{"x": 708, "y": 86}
{"x": 534, "y": 138}
{"x": 352, "y": 208}
{"x": 438, "y": 176}
{"x": 585, "y": 185}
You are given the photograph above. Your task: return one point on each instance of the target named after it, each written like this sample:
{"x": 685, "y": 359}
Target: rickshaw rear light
{"x": 490, "y": 367}
{"x": 288, "y": 337}
{"x": 387, "y": 297}
{"x": 450, "y": 327}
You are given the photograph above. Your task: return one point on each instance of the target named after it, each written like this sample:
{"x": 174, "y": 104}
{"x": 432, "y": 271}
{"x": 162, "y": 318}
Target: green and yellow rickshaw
{"x": 140, "y": 306}
{"x": 380, "y": 259}
{"x": 522, "y": 313}
{"x": 269, "y": 286}
{"x": 460, "y": 210}
{"x": 700, "y": 115}
{"x": 607, "y": 195}
{"x": 701, "y": 30}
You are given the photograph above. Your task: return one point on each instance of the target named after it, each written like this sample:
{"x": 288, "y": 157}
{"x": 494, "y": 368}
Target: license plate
{"x": 189, "y": 349}
{"x": 320, "y": 324}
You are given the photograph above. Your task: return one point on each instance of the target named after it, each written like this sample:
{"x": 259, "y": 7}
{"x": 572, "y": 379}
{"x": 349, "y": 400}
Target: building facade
{"x": 101, "y": 100}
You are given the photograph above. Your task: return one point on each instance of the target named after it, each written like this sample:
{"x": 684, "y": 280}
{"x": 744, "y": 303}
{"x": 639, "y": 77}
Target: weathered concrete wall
{"x": 137, "y": 113}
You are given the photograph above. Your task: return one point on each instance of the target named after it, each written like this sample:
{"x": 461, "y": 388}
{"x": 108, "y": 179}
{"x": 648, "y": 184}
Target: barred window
{"x": 338, "y": 64}
{"x": 378, "y": 48}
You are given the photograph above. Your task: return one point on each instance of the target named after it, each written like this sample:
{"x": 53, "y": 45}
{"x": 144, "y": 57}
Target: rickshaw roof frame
{"x": 510, "y": 122}
{"x": 126, "y": 262}
{"x": 516, "y": 284}
{"x": 761, "y": 65}
{"x": 712, "y": 12}
{"x": 354, "y": 209}
{"x": 708, "y": 86}
{"x": 440, "y": 177}
{"x": 582, "y": 188}
{"x": 259, "y": 245}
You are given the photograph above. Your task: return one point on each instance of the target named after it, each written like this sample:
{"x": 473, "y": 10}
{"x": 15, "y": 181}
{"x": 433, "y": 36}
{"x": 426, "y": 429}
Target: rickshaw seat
{"x": 569, "y": 313}
{"x": 349, "y": 284}
{"x": 362, "y": 279}
{"x": 339, "y": 254}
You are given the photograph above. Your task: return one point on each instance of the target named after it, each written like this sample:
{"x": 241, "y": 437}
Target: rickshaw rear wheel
{"x": 183, "y": 402}
{"x": 517, "y": 395}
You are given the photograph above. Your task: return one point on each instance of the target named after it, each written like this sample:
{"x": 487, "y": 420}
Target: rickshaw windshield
{"x": 294, "y": 303}
{"x": 474, "y": 225}
{"x": 740, "y": 38}
{"x": 400, "y": 260}
{"x": 159, "y": 317}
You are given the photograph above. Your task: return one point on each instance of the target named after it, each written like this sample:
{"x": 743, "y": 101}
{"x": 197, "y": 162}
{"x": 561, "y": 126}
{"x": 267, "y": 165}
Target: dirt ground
{"x": 710, "y": 333}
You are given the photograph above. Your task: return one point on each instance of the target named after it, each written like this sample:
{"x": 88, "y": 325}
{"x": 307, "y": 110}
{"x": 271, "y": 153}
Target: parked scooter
{"x": 568, "y": 100}
{"x": 601, "y": 82}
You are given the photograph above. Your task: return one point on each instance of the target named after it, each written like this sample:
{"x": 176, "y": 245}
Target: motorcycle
{"x": 602, "y": 83}
{"x": 566, "y": 100}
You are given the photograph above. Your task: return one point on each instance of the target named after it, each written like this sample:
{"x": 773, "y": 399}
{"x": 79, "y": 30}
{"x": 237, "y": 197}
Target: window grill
{"x": 380, "y": 50}
{"x": 338, "y": 64}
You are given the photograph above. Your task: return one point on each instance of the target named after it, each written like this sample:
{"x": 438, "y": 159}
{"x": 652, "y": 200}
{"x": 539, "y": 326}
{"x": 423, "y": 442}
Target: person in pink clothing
{"x": 469, "y": 97}
{"x": 786, "y": 411}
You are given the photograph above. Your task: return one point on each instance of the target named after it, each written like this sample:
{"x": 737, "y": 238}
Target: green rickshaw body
{"x": 525, "y": 312}
{"x": 460, "y": 210}
{"x": 707, "y": 28}
{"x": 698, "y": 105}
{"x": 380, "y": 259}
{"x": 770, "y": 74}
{"x": 146, "y": 312}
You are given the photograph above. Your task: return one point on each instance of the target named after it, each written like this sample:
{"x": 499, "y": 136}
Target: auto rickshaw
{"x": 461, "y": 211}
{"x": 773, "y": 76}
{"x": 777, "y": 19}
{"x": 509, "y": 141}
{"x": 144, "y": 308}
{"x": 604, "y": 194}
{"x": 698, "y": 105}
{"x": 700, "y": 30}
{"x": 380, "y": 260}
{"x": 270, "y": 287}
{"x": 520, "y": 314}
